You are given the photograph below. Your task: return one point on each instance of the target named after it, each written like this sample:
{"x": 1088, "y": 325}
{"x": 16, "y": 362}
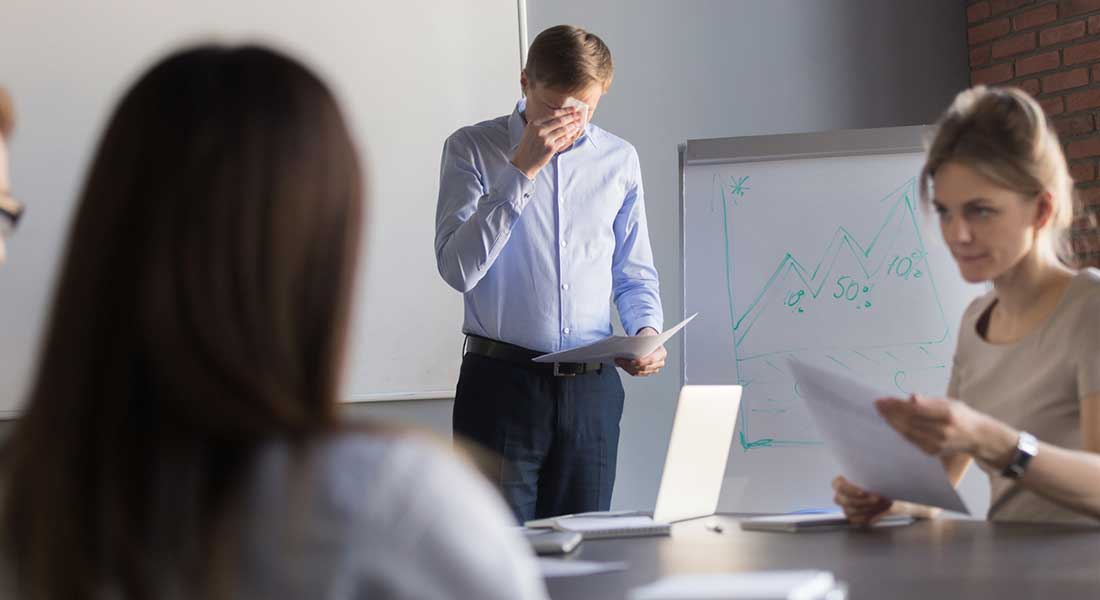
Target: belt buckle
{"x": 558, "y": 373}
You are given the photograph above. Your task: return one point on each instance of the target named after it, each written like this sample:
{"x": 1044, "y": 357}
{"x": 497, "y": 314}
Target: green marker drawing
{"x": 876, "y": 260}
{"x": 738, "y": 188}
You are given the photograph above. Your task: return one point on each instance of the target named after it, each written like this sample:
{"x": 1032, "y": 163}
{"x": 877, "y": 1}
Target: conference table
{"x": 941, "y": 558}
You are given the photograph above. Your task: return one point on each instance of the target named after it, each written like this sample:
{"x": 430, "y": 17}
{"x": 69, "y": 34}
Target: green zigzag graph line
{"x": 814, "y": 281}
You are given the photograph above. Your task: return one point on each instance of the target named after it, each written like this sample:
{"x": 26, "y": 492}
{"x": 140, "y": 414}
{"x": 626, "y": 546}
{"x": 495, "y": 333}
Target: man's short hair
{"x": 7, "y": 113}
{"x": 569, "y": 58}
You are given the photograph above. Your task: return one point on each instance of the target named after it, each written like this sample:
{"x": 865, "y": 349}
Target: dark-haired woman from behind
{"x": 182, "y": 438}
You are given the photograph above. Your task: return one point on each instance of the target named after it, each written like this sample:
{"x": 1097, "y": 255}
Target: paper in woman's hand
{"x": 872, "y": 454}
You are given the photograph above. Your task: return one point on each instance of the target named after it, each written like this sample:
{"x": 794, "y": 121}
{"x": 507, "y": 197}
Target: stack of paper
{"x": 557, "y": 567}
{"x": 763, "y": 585}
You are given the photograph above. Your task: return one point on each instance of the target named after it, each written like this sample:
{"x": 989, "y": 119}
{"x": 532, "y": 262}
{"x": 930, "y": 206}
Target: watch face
{"x": 1026, "y": 448}
{"x": 1027, "y": 444}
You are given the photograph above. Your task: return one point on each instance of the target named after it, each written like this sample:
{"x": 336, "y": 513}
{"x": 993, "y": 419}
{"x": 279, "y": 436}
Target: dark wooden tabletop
{"x": 929, "y": 559}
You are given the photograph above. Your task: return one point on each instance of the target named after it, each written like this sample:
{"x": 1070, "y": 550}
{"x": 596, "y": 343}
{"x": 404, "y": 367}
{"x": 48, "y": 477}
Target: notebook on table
{"x": 597, "y": 527}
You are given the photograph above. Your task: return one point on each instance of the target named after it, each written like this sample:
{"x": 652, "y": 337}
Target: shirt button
{"x": 565, "y": 331}
{"x": 564, "y": 243}
{"x": 565, "y": 286}
{"x": 527, "y": 195}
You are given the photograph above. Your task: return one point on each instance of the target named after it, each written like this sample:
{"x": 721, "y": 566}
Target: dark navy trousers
{"x": 551, "y": 441}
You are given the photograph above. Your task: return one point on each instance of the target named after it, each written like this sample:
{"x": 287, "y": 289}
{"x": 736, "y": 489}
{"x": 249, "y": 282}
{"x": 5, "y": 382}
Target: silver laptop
{"x": 697, "y": 450}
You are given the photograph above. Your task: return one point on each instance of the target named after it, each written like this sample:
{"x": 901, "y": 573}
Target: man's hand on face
{"x": 544, "y": 138}
{"x": 647, "y": 365}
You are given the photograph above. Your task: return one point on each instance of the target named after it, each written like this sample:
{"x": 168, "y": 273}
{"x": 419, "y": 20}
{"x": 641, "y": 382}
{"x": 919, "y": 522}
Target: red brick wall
{"x": 1051, "y": 48}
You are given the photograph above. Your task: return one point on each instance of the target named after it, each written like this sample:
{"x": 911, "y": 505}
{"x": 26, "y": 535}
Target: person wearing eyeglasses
{"x": 10, "y": 209}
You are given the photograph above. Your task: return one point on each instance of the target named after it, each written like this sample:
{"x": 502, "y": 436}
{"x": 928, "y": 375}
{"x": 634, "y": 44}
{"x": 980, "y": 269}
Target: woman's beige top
{"x": 1035, "y": 384}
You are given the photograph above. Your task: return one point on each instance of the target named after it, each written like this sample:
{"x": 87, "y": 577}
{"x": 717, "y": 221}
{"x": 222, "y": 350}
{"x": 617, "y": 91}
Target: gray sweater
{"x": 358, "y": 516}
{"x": 381, "y": 518}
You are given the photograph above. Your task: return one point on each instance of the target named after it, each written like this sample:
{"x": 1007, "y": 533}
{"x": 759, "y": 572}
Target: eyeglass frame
{"x": 11, "y": 210}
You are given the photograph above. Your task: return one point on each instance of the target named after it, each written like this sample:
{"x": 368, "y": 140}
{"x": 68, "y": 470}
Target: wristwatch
{"x": 1026, "y": 449}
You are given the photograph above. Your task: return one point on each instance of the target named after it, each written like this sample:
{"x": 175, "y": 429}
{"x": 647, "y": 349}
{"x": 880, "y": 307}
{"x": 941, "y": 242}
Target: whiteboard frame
{"x": 786, "y": 146}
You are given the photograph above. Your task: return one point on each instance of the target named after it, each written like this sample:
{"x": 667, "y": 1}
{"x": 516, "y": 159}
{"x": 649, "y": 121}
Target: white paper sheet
{"x": 558, "y": 567}
{"x": 616, "y": 346}
{"x": 586, "y": 524}
{"x": 761, "y": 585}
{"x": 873, "y": 455}
{"x": 602, "y": 514}
{"x": 803, "y": 522}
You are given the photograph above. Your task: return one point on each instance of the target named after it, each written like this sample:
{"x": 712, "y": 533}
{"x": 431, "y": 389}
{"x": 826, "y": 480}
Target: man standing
{"x": 540, "y": 221}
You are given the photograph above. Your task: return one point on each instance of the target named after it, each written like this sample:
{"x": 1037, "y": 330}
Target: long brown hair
{"x": 200, "y": 312}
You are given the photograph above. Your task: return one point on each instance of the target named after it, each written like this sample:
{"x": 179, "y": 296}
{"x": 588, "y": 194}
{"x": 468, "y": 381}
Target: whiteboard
{"x": 812, "y": 246}
{"x": 407, "y": 73}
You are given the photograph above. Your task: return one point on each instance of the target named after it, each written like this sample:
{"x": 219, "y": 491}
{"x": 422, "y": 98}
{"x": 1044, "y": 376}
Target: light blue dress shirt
{"x": 538, "y": 260}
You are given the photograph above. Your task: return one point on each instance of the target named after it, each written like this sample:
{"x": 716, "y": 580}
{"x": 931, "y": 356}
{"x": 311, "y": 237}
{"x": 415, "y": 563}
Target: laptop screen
{"x": 695, "y": 464}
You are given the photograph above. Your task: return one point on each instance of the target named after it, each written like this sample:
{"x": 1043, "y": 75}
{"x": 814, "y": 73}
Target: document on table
{"x": 760, "y": 585}
{"x": 873, "y": 455}
{"x": 801, "y": 522}
{"x": 616, "y": 346}
{"x": 563, "y": 567}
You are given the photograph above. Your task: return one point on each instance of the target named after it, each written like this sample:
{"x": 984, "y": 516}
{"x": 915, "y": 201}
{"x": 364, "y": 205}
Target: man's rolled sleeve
{"x": 635, "y": 285}
{"x": 473, "y": 222}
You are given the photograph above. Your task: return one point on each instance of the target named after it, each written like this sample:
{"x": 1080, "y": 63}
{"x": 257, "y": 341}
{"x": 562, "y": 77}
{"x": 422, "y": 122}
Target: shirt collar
{"x": 516, "y": 124}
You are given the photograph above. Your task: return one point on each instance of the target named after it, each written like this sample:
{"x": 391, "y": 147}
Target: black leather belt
{"x": 522, "y": 356}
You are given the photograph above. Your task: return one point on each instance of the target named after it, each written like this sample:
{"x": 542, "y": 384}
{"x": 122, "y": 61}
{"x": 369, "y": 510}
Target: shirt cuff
{"x": 641, "y": 323}
{"x": 514, "y": 187}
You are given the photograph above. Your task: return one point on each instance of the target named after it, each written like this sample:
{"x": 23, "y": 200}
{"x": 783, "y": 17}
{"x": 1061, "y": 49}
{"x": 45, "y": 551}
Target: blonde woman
{"x": 1024, "y": 395}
